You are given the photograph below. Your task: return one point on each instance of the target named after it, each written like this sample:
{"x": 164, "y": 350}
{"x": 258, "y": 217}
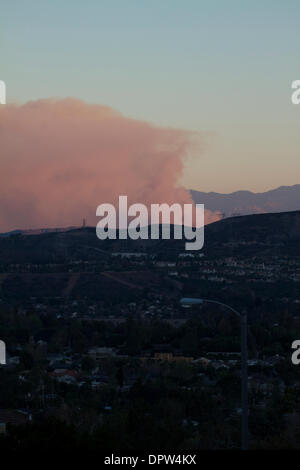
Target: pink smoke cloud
{"x": 60, "y": 159}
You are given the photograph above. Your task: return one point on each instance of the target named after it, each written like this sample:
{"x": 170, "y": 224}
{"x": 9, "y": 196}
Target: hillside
{"x": 257, "y": 233}
{"x": 261, "y": 251}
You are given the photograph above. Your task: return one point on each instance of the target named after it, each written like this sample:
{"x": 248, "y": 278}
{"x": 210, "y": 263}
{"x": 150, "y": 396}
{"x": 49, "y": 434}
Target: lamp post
{"x": 244, "y": 360}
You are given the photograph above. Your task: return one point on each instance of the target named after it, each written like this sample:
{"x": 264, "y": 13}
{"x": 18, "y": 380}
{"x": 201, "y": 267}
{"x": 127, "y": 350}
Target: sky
{"x": 222, "y": 69}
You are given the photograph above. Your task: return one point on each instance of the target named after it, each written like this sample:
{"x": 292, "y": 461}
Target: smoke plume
{"x": 60, "y": 159}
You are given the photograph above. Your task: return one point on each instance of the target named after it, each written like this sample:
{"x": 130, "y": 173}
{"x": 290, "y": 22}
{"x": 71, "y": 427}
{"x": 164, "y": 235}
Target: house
{"x": 16, "y": 417}
{"x": 101, "y": 353}
{"x": 64, "y": 375}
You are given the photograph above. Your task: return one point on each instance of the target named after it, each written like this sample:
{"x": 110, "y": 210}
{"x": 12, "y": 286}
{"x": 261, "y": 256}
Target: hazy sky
{"x": 223, "y": 68}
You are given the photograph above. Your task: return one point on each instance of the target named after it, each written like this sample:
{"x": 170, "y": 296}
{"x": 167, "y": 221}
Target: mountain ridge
{"x": 257, "y": 233}
{"x": 243, "y": 202}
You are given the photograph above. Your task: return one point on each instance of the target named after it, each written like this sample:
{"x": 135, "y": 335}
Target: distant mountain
{"x": 282, "y": 199}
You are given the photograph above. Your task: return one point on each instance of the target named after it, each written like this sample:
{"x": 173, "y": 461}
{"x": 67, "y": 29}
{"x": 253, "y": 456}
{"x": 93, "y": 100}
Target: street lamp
{"x": 244, "y": 361}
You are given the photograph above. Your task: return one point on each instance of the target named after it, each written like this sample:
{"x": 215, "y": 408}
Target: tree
{"x": 88, "y": 364}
